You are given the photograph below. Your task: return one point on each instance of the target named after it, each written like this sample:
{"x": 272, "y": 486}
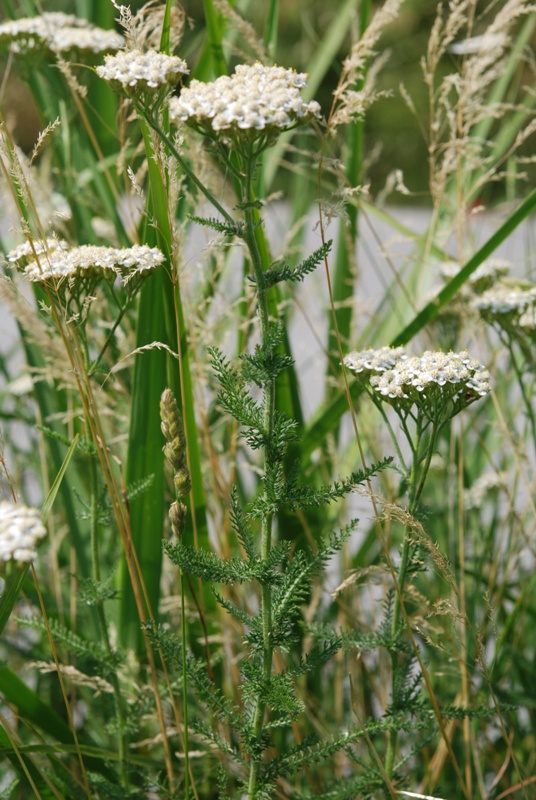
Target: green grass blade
{"x": 270, "y": 33}
{"x": 50, "y": 406}
{"x": 51, "y": 496}
{"x": 154, "y": 370}
{"x": 511, "y": 124}
{"x": 166, "y": 28}
{"x": 144, "y": 460}
{"x": 32, "y": 708}
{"x": 213, "y": 63}
{"x": 39, "y": 714}
{"x": 13, "y": 584}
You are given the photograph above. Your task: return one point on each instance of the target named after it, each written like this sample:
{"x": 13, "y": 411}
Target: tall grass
{"x": 211, "y": 620}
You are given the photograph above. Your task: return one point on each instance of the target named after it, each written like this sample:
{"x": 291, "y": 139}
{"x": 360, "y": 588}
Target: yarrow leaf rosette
{"x": 257, "y": 102}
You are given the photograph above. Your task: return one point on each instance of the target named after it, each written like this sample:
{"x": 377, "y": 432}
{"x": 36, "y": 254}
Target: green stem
{"x": 379, "y": 406}
{"x": 269, "y": 412}
{"x": 416, "y": 485}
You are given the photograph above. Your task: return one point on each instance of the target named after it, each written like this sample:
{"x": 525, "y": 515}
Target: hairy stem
{"x": 269, "y": 411}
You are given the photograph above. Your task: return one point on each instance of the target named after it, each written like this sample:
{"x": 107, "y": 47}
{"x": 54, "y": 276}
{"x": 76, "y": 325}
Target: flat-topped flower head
{"x": 133, "y": 72}
{"x": 256, "y": 100}
{"x": 74, "y": 273}
{"x": 504, "y": 301}
{"x": 366, "y": 362}
{"x": 80, "y": 262}
{"x": 21, "y": 530}
{"x": 439, "y": 384}
{"x": 57, "y": 33}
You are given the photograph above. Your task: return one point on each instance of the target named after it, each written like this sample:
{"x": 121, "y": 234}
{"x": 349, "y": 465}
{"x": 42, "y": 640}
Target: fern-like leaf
{"x": 76, "y": 645}
{"x": 222, "y": 227}
{"x": 210, "y": 567}
{"x": 282, "y": 272}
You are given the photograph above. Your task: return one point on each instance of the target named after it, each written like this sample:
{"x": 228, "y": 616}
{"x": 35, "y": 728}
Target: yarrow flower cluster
{"x": 21, "y": 530}
{"x": 504, "y": 300}
{"x": 440, "y": 384}
{"x": 255, "y": 98}
{"x": 109, "y": 262}
{"x": 133, "y": 71}
{"x": 57, "y": 33}
{"x": 369, "y": 361}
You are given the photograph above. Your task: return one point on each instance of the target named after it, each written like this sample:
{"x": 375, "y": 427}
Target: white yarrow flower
{"x": 484, "y": 276}
{"x": 449, "y": 376}
{"x": 90, "y": 259}
{"x": 132, "y": 71}
{"x": 488, "y": 482}
{"x": 504, "y": 300}
{"x": 21, "y": 530}
{"x": 438, "y": 384}
{"x": 255, "y": 98}
{"x": 57, "y": 33}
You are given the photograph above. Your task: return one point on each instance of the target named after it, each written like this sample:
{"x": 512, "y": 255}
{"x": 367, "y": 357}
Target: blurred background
{"x": 394, "y": 135}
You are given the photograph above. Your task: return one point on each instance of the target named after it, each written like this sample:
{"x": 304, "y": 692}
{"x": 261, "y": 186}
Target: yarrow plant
{"x": 425, "y": 392}
{"x": 73, "y": 274}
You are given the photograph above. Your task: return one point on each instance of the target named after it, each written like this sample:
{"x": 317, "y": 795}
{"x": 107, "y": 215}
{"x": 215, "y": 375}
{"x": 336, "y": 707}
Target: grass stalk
{"x": 103, "y": 624}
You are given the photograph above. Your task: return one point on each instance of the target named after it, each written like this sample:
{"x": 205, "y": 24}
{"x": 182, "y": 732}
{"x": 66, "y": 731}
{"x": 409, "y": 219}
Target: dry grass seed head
{"x": 460, "y": 101}
{"x": 38, "y": 331}
{"x": 358, "y": 67}
{"x": 143, "y": 30}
